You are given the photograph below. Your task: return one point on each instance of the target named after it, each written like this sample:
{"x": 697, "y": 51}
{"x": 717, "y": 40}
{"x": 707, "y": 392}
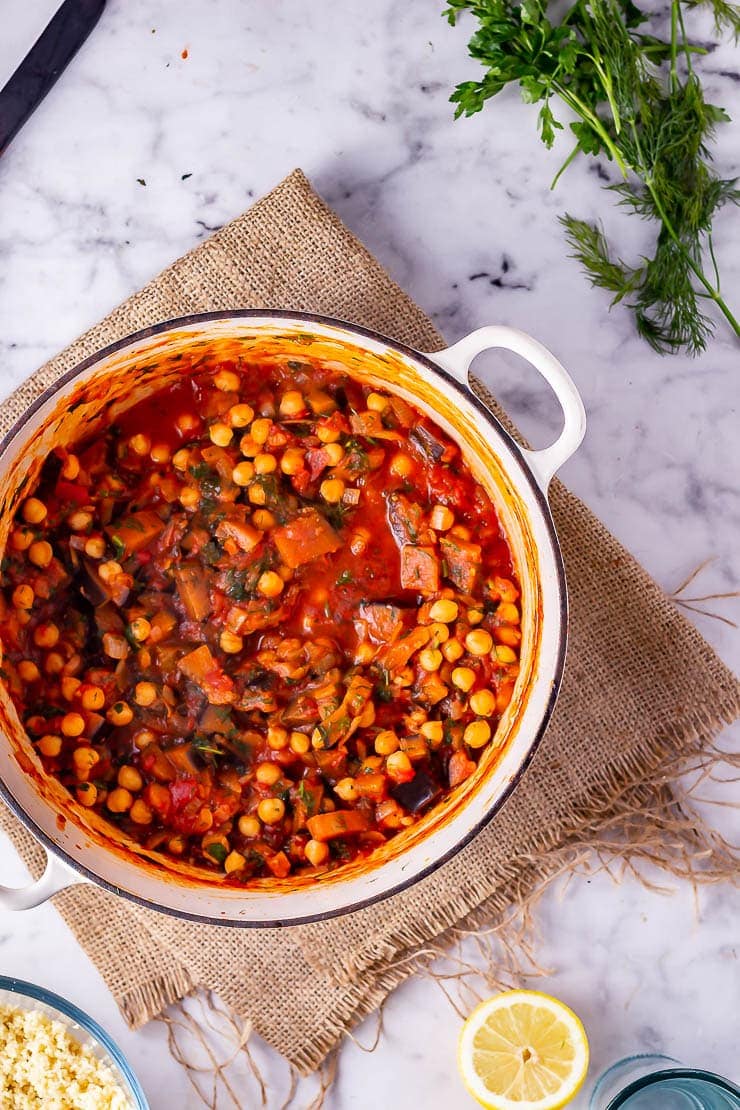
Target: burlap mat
{"x": 642, "y": 689}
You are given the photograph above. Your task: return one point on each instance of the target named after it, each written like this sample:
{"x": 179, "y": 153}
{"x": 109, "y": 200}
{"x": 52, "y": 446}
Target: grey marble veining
{"x": 463, "y": 217}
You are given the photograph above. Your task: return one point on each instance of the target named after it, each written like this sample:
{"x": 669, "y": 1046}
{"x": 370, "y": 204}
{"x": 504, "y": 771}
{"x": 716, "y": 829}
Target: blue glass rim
{"x": 638, "y": 1085}
{"x": 25, "y": 989}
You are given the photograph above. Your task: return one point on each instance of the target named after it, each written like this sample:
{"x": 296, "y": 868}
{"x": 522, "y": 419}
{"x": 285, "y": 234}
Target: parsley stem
{"x": 674, "y": 45}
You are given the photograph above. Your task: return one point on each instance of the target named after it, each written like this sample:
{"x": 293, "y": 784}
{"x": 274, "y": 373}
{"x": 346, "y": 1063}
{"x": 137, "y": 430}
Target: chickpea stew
{"x": 263, "y": 622}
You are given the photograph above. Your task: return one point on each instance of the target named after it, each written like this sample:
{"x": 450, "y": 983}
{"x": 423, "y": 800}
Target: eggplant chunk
{"x": 421, "y": 791}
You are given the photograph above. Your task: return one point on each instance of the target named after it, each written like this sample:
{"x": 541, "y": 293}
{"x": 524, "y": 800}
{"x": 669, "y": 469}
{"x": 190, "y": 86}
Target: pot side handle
{"x": 457, "y": 359}
{"x": 56, "y": 877}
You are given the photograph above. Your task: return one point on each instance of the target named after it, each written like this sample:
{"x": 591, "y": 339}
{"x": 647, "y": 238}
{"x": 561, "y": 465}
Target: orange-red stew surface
{"x": 262, "y": 622}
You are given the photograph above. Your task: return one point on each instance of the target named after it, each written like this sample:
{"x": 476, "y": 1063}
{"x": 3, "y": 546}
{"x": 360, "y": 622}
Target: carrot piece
{"x": 371, "y": 786}
{"x": 279, "y": 864}
{"x": 397, "y": 655}
{"x": 202, "y": 669}
{"x": 135, "y": 531}
{"x": 242, "y": 533}
{"x": 419, "y": 569}
{"x": 340, "y": 823}
{"x": 306, "y": 538}
{"x": 460, "y": 768}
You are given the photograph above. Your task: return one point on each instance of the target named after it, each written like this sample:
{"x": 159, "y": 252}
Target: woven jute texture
{"x": 641, "y": 690}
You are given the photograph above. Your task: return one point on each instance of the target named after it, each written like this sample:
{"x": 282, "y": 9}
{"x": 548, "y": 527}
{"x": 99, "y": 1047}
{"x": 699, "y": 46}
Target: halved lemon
{"x": 523, "y": 1050}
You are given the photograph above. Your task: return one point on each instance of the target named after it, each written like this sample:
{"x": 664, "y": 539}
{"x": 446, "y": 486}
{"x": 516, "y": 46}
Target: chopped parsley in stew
{"x": 263, "y": 621}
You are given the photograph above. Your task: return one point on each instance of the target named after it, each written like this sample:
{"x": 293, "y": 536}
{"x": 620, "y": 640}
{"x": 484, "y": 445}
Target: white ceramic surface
{"x": 462, "y": 216}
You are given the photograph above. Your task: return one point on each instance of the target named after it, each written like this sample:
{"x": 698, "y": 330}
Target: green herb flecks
{"x": 638, "y": 102}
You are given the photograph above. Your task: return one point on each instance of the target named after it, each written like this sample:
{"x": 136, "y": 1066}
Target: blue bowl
{"x": 27, "y": 996}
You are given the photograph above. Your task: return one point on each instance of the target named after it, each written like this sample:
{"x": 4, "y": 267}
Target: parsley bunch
{"x": 639, "y": 102}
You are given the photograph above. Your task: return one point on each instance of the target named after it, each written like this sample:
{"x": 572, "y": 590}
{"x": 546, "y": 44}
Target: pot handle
{"x": 457, "y": 359}
{"x": 57, "y": 876}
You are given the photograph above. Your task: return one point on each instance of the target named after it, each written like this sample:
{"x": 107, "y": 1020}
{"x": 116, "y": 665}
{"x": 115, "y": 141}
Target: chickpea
{"x": 33, "y": 511}
{"x": 507, "y": 612}
{"x": 181, "y": 459}
{"x": 28, "y": 671}
{"x": 433, "y": 731}
{"x": 23, "y": 597}
{"x": 120, "y": 714}
{"x": 271, "y": 810}
{"x": 95, "y": 547}
{"x": 256, "y": 494}
{"x": 508, "y": 635}
{"x": 140, "y": 813}
{"x": 176, "y": 845}
{"x": 364, "y": 653}
{"x": 398, "y": 765}
{"x": 129, "y": 778}
{"x": 84, "y": 759}
{"x": 277, "y": 738}
{"x": 235, "y": 861}
{"x": 41, "y": 553}
{"x": 292, "y": 461}
{"x": 46, "y": 635}
{"x": 263, "y": 519}
{"x": 240, "y": 416}
{"x": 80, "y": 520}
{"x": 110, "y": 571}
{"x": 119, "y": 800}
{"x": 479, "y": 642}
{"x": 160, "y": 453}
{"x": 190, "y": 497}
{"x": 21, "y": 539}
{"x": 331, "y": 489}
{"x": 227, "y": 381}
{"x": 440, "y": 634}
{"x": 334, "y": 453}
{"x": 230, "y": 642}
{"x": 441, "y": 518}
{"x": 264, "y": 463}
{"x": 54, "y": 663}
{"x": 71, "y": 468}
{"x": 270, "y": 584}
{"x": 50, "y": 745}
{"x": 87, "y": 794}
{"x": 73, "y": 724}
{"x": 260, "y": 430}
{"x": 401, "y": 465}
{"x": 92, "y": 698}
{"x": 483, "y": 703}
{"x": 376, "y": 402}
{"x": 299, "y": 743}
{"x": 268, "y": 774}
{"x": 249, "y": 447}
{"x": 140, "y": 444}
{"x": 243, "y": 473}
{"x": 430, "y": 659}
{"x": 317, "y": 853}
{"x": 292, "y": 403}
{"x": 346, "y": 789}
{"x": 477, "y": 734}
{"x": 69, "y": 686}
{"x": 145, "y": 693}
{"x": 140, "y": 628}
{"x": 249, "y": 826}
{"x": 327, "y": 435}
{"x": 386, "y": 742}
{"x": 504, "y": 654}
{"x": 444, "y": 610}
{"x": 463, "y": 678}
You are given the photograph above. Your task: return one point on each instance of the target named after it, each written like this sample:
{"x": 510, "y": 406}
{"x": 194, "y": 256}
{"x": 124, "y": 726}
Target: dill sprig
{"x": 638, "y": 102}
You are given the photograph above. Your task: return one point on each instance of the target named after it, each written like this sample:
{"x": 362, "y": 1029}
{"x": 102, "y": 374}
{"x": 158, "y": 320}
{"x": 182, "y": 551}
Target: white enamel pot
{"x": 80, "y": 847}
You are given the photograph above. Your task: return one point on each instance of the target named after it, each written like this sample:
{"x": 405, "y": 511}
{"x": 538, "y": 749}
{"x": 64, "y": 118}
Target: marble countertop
{"x": 171, "y": 120}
